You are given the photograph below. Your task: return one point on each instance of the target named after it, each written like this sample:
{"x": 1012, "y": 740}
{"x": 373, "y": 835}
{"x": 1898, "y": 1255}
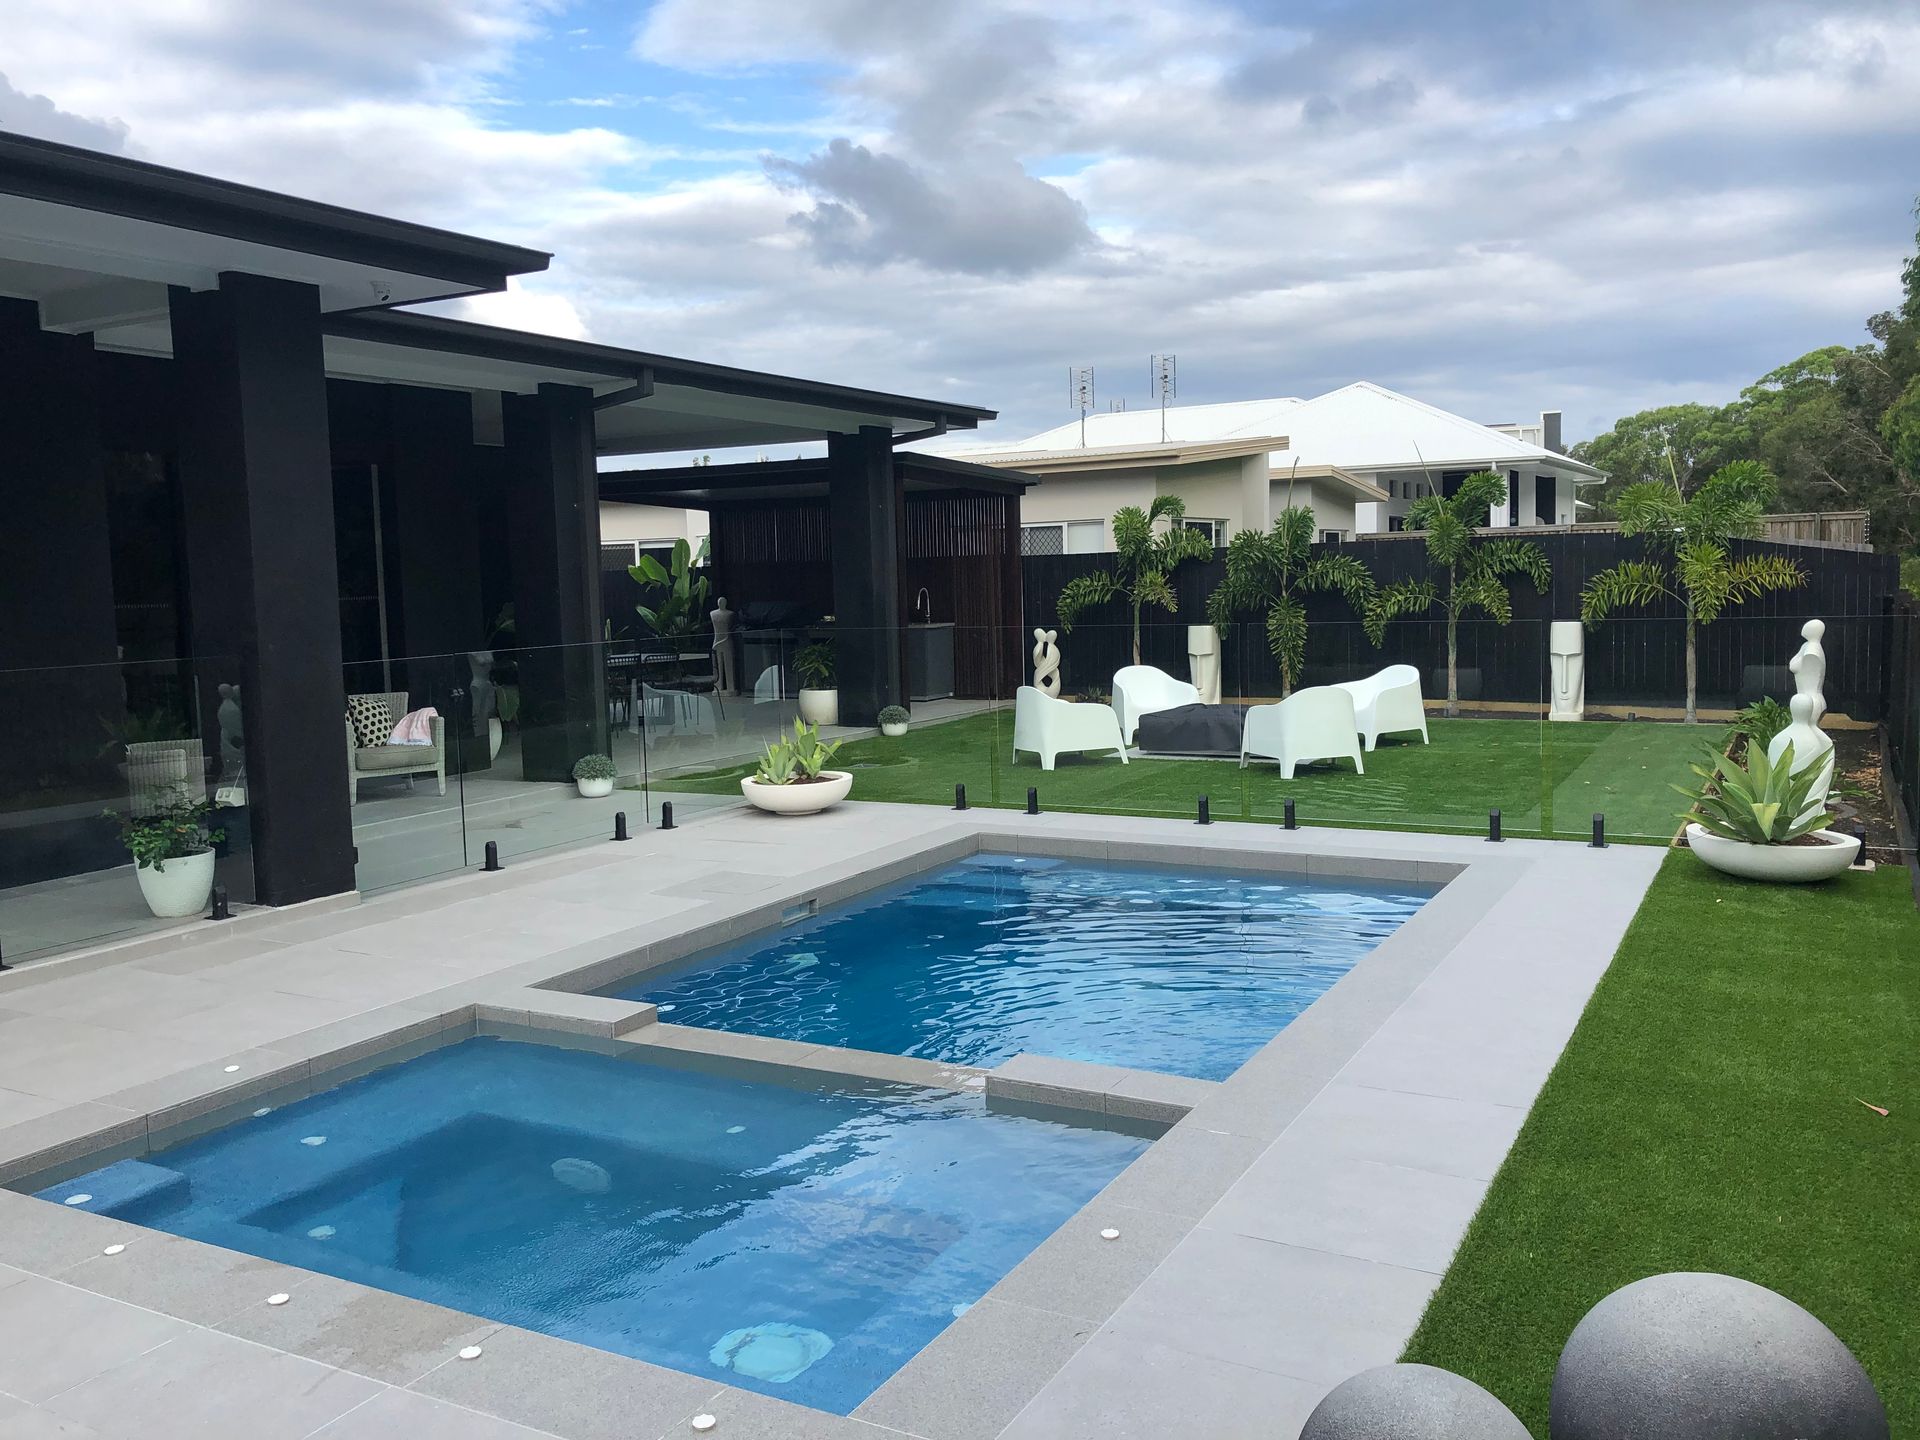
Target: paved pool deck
{"x": 1283, "y": 1233}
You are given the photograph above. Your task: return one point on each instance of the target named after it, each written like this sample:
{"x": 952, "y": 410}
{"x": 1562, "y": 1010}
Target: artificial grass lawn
{"x": 1704, "y": 1117}
{"x": 1543, "y": 778}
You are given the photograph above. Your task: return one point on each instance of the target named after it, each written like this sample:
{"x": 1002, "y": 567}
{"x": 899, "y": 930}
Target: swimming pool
{"x": 1151, "y": 967}
{"x": 801, "y": 1242}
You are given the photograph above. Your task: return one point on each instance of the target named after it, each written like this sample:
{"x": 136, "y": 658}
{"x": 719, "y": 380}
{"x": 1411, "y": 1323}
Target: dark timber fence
{"x": 1635, "y": 659}
{"x": 1903, "y": 706}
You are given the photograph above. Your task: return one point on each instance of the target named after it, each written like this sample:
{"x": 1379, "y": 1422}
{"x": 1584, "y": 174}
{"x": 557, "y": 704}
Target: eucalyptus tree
{"x": 1268, "y": 573}
{"x": 1476, "y": 569}
{"x": 1691, "y": 561}
{"x": 1145, "y": 556}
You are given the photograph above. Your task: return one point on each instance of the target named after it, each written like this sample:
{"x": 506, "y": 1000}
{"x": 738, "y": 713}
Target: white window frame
{"x": 1216, "y": 529}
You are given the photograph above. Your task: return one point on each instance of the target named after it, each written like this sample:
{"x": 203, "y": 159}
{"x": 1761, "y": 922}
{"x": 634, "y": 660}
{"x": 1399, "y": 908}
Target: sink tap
{"x": 923, "y": 604}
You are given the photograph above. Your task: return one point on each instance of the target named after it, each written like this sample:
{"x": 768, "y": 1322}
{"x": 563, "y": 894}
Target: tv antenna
{"x": 1162, "y": 381}
{"x": 1080, "y": 395}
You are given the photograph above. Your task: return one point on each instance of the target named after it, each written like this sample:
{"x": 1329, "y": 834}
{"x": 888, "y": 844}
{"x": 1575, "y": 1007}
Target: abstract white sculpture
{"x": 1046, "y": 663}
{"x": 1567, "y": 659}
{"x": 1809, "y": 667}
{"x": 1203, "y": 662}
{"x": 725, "y": 680}
{"x": 1811, "y": 747}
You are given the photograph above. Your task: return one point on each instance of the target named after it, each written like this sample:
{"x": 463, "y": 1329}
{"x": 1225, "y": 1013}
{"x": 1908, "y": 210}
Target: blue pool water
{"x": 803, "y": 1243}
{"x": 1156, "y": 968}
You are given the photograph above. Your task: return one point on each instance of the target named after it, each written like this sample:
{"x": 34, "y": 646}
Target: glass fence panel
{"x": 408, "y": 755}
{"x": 97, "y": 758}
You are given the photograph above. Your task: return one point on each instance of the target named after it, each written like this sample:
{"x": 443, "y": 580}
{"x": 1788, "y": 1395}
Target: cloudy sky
{"x": 1497, "y": 205}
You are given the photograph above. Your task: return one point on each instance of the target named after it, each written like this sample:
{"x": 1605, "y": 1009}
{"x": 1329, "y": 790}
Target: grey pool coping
{"x": 1285, "y": 1230}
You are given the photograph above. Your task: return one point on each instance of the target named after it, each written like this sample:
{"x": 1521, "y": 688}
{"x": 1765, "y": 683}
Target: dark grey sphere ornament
{"x": 1410, "y": 1402}
{"x": 1709, "y": 1357}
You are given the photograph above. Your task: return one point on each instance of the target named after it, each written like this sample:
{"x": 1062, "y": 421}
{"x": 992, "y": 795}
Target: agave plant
{"x": 1760, "y": 802}
{"x": 798, "y": 760}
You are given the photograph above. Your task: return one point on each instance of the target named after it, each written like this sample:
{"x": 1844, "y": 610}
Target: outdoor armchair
{"x": 367, "y": 761}
{"x": 1047, "y": 727}
{"x": 1141, "y": 689}
{"x": 1312, "y": 724}
{"x": 1387, "y": 703}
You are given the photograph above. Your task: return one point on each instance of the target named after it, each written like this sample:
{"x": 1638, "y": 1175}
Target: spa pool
{"x": 1182, "y": 971}
{"x": 803, "y": 1242}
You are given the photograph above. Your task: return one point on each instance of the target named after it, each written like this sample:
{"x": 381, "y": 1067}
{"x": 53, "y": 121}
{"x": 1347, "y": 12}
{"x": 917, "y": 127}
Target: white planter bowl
{"x": 1789, "y": 864}
{"x": 594, "y": 789}
{"x": 820, "y": 707}
{"x": 181, "y": 889}
{"x": 830, "y": 789}
{"x": 896, "y": 731}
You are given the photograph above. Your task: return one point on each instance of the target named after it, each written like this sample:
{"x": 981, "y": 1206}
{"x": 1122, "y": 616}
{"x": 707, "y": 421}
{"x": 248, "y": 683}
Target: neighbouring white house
{"x": 1357, "y": 457}
{"x": 626, "y": 530}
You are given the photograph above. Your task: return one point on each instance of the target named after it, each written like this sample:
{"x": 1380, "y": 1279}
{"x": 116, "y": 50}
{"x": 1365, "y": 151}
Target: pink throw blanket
{"x": 415, "y": 727}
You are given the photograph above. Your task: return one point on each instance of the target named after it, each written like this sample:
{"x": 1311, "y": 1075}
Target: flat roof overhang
{"x": 648, "y": 402}
{"x": 96, "y": 240}
{"x": 710, "y": 487}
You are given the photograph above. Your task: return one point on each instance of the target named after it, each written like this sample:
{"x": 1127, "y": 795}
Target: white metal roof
{"x": 1359, "y": 427}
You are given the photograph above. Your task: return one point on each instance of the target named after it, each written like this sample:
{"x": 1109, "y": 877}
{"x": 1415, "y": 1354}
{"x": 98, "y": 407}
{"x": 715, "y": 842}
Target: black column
{"x": 553, "y": 506}
{"x": 56, "y": 590}
{"x": 257, "y": 501}
{"x": 864, "y": 502}
{"x": 435, "y": 548}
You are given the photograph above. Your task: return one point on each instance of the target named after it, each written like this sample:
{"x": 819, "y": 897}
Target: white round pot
{"x": 180, "y": 889}
{"x": 895, "y": 730}
{"x": 1788, "y": 864}
{"x": 820, "y": 707}
{"x": 830, "y": 789}
{"x": 594, "y": 789}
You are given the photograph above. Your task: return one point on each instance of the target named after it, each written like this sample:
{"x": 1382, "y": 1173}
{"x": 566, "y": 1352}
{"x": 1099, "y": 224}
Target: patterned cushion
{"x": 372, "y": 719}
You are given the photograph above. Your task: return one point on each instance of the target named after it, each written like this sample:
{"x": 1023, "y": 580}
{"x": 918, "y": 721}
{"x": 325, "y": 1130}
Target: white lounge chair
{"x": 1387, "y": 703}
{"x": 1312, "y": 724}
{"x": 1141, "y": 689}
{"x": 1048, "y": 727}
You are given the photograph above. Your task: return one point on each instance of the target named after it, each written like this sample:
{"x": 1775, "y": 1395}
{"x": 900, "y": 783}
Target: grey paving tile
{"x": 207, "y": 1386}
{"x": 1126, "y": 1386}
{"x": 53, "y": 1336}
{"x": 572, "y": 1390}
{"x": 574, "y": 1014}
{"x": 184, "y": 1278}
{"x": 21, "y": 1421}
{"x": 1145, "y": 1095}
{"x": 73, "y": 1060}
{"x": 1258, "y": 1103}
{"x": 409, "y": 1415}
{"x": 69, "y": 1133}
{"x": 344, "y": 1041}
{"x": 1303, "y": 1194}
{"x": 1076, "y": 1272}
{"x": 743, "y": 1415}
{"x": 185, "y": 1094}
{"x": 1292, "y": 1311}
{"x": 1184, "y": 1171}
{"x": 44, "y": 1239}
{"x": 978, "y": 1373}
{"x": 253, "y": 1019}
{"x": 1468, "y": 1138}
{"x": 370, "y": 1332}
{"x": 17, "y": 1107}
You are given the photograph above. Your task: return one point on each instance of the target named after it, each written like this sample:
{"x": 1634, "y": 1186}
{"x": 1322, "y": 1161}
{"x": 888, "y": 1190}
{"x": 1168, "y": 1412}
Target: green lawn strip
{"x": 1704, "y": 1117}
{"x": 1472, "y": 766}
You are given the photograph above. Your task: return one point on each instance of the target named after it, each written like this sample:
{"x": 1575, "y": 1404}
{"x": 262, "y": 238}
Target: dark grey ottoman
{"x": 1192, "y": 730}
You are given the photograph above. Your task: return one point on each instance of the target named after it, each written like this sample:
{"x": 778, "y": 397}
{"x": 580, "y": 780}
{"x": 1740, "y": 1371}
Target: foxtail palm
{"x": 1692, "y": 564}
{"x": 1143, "y": 564}
{"x": 1269, "y": 571}
{"x": 1476, "y": 568}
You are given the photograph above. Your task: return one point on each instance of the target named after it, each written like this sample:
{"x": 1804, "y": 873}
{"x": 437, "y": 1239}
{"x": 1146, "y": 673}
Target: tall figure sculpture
{"x": 1046, "y": 663}
{"x": 1809, "y": 667}
{"x": 1811, "y": 746}
{"x": 1203, "y": 662}
{"x": 725, "y": 679}
{"x": 1567, "y": 659}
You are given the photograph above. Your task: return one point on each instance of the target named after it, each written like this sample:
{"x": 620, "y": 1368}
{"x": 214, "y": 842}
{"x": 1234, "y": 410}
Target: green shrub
{"x": 173, "y": 833}
{"x": 814, "y": 665}
{"x": 1759, "y": 802}
{"x": 1759, "y": 723}
{"x": 895, "y": 715}
{"x": 594, "y": 767}
{"x": 796, "y": 761}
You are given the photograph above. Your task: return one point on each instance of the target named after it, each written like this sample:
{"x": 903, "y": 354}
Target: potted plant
{"x": 793, "y": 778}
{"x": 819, "y": 701}
{"x": 1755, "y": 819}
{"x": 172, "y": 851}
{"x": 593, "y": 775}
{"x": 893, "y": 721}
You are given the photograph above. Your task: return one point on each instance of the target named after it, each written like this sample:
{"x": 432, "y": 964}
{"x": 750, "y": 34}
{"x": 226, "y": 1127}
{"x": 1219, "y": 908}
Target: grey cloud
{"x": 988, "y": 217}
{"x": 38, "y": 116}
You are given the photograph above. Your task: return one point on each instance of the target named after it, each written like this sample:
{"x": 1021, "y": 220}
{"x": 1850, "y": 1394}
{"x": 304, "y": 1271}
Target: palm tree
{"x": 1144, "y": 558}
{"x": 1476, "y": 567}
{"x": 1270, "y": 571}
{"x": 1689, "y": 536}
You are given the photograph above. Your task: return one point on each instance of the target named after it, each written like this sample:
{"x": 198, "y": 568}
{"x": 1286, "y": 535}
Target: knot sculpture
{"x": 1046, "y": 663}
